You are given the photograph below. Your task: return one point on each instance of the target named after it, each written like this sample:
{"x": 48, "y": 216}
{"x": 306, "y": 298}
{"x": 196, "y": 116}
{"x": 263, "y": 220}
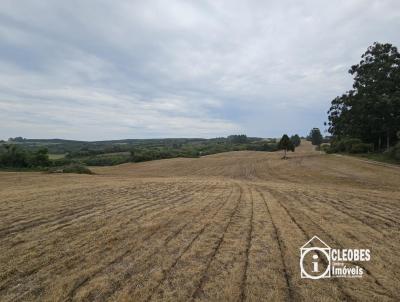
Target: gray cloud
{"x": 131, "y": 69}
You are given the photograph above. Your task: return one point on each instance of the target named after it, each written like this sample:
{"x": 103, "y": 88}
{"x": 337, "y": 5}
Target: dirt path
{"x": 226, "y": 227}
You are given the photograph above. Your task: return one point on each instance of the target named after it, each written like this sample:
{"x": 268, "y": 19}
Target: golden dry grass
{"x": 226, "y": 227}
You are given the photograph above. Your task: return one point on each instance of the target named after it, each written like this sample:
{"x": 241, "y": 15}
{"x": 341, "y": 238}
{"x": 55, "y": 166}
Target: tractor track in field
{"x": 338, "y": 207}
{"x": 374, "y": 208}
{"x": 198, "y": 290}
{"x": 42, "y": 267}
{"x": 81, "y": 282}
{"x": 122, "y": 256}
{"x": 290, "y": 291}
{"x": 166, "y": 273}
{"x": 169, "y": 238}
{"x": 66, "y": 216}
{"x": 344, "y": 294}
{"x": 384, "y": 291}
{"x": 248, "y": 247}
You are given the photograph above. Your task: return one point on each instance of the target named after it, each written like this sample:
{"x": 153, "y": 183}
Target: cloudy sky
{"x": 96, "y": 69}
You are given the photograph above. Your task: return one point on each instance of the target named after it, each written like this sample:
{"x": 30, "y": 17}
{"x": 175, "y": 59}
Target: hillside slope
{"x": 226, "y": 227}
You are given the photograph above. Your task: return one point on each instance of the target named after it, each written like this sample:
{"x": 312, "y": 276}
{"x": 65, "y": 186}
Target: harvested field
{"x": 225, "y": 227}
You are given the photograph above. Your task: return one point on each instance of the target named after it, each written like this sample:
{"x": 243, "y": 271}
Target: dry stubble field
{"x": 226, "y": 227}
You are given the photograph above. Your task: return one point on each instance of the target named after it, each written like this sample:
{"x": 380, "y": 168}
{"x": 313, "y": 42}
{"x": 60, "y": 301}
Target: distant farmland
{"x": 225, "y": 227}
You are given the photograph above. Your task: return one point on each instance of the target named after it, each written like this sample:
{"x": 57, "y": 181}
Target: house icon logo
{"x": 315, "y": 259}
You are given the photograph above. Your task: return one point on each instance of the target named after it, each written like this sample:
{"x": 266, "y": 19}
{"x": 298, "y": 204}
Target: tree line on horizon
{"x": 21, "y": 154}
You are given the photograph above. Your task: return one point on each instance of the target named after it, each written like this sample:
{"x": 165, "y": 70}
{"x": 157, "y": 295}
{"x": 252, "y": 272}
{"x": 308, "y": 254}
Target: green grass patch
{"x": 381, "y": 157}
{"x": 56, "y": 156}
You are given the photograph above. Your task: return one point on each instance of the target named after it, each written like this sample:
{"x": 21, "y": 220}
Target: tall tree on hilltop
{"x": 316, "y": 137}
{"x": 285, "y": 144}
{"x": 295, "y": 140}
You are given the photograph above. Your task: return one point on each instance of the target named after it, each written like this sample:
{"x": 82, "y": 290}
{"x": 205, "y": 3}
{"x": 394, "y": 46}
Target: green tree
{"x": 285, "y": 144}
{"x": 13, "y": 157}
{"x": 295, "y": 140}
{"x": 316, "y": 137}
{"x": 371, "y": 110}
{"x": 40, "y": 158}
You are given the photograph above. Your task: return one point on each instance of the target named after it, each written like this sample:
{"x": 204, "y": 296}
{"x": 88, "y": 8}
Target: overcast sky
{"x": 96, "y": 70}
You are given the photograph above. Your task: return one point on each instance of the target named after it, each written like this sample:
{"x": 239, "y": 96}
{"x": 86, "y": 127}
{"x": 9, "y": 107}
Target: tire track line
{"x": 167, "y": 240}
{"x": 248, "y": 247}
{"x": 289, "y": 286}
{"x": 345, "y": 296}
{"x": 120, "y": 257}
{"x": 146, "y": 238}
{"x": 332, "y": 239}
{"x": 198, "y": 291}
{"x": 61, "y": 217}
{"x": 334, "y": 204}
{"x": 166, "y": 273}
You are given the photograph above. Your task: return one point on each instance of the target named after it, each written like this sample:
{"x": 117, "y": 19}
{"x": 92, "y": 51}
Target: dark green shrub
{"x": 326, "y": 148}
{"x": 344, "y": 144}
{"x": 361, "y": 148}
{"x": 337, "y": 146}
{"x": 76, "y": 168}
{"x": 348, "y": 143}
{"x": 105, "y": 161}
{"x": 262, "y": 146}
{"x": 295, "y": 140}
{"x": 394, "y": 152}
{"x": 39, "y": 158}
{"x": 12, "y": 156}
{"x": 62, "y": 162}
